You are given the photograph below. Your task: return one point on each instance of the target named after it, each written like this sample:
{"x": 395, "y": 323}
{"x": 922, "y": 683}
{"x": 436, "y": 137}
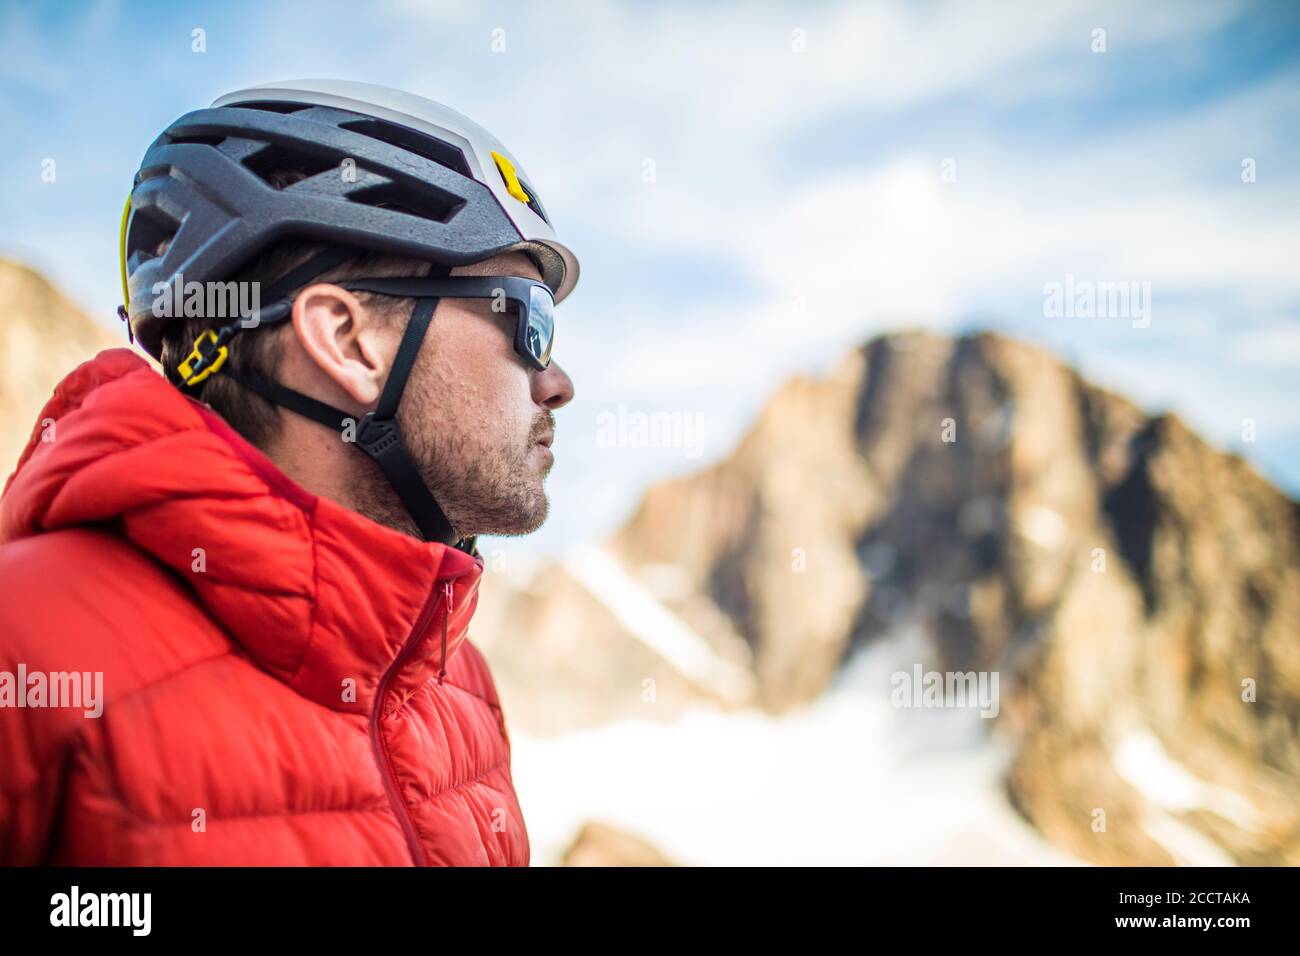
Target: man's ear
{"x": 344, "y": 339}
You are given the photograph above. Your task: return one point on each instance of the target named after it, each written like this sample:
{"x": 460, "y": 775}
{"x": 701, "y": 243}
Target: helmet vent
{"x": 430, "y": 204}
{"x": 442, "y": 153}
{"x": 270, "y": 106}
{"x": 280, "y": 167}
{"x": 204, "y": 140}
{"x": 535, "y": 204}
{"x": 149, "y": 231}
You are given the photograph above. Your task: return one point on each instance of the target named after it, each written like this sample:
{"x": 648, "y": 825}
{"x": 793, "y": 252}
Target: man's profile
{"x": 268, "y": 552}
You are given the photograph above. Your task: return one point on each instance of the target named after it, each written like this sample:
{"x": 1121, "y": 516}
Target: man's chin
{"x": 524, "y": 517}
{"x": 534, "y": 516}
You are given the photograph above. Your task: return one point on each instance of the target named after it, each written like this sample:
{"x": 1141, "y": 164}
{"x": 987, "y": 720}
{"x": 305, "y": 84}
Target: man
{"x": 266, "y": 559}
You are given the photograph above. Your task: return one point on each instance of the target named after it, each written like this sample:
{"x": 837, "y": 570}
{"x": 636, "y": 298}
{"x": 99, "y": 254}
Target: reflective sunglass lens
{"x": 541, "y": 324}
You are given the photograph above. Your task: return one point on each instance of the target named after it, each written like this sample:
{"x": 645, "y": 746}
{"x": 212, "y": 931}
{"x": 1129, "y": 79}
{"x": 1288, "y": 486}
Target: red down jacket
{"x": 270, "y": 660}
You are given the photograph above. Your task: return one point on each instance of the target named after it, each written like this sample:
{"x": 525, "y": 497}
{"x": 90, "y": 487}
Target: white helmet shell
{"x": 489, "y": 161}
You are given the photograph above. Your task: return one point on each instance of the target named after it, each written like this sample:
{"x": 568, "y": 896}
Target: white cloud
{"x": 1276, "y": 346}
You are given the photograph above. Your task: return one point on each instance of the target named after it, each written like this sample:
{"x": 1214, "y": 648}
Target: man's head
{"x": 477, "y": 420}
{"x": 405, "y": 188}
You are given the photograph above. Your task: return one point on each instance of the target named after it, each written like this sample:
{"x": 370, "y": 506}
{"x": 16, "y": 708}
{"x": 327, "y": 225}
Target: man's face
{"x": 477, "y": 418}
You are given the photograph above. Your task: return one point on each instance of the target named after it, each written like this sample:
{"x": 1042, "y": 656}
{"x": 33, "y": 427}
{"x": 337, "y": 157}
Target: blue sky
{"x": 797, "y": 198}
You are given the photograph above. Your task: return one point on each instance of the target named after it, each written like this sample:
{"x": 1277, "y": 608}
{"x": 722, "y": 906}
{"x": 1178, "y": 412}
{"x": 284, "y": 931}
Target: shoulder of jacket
{"x": 72, "y": 559}
{"x": 84, "y": 607}
{"x": 87, "y": 599}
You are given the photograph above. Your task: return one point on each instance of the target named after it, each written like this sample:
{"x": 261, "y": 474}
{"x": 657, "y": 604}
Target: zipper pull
{"x": 442, "y": 662}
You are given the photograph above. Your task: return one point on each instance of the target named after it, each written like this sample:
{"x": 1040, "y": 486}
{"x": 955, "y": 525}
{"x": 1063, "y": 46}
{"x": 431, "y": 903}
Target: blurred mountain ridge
{"x": 1136, "y": 590}
{"x": 43, "y": 336}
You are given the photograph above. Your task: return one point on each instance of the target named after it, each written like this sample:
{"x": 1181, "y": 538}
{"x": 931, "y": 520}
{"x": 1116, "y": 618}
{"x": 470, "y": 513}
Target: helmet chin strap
{"x": 378, "y": 433}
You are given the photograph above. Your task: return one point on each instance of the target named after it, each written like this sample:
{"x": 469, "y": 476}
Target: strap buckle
{"x": 207, "y": 356}
{"x": 377, "y": 436}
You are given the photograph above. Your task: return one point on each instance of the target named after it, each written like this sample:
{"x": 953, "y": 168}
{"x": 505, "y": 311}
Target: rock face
{"x": 1136, "y": 591}
{"x": 598, "y": 844}
{"x": 42, "y": 338}
{"x": 566, "y": 654}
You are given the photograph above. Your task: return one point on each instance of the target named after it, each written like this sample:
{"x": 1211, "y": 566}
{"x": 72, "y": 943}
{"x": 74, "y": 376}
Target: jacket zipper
{"x": 413, "y": 640}
{"x": 442, "y": 660}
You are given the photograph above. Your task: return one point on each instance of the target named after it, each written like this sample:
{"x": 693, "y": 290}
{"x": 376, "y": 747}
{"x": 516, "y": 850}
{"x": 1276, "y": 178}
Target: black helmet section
{"x": 369, "y": 184}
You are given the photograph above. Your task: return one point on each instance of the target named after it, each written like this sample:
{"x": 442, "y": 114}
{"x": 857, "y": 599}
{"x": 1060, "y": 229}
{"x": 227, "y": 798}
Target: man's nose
{"x": 552, "y": 388}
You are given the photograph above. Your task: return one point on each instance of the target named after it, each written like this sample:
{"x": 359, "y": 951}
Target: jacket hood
{"x": 315, "y": 593}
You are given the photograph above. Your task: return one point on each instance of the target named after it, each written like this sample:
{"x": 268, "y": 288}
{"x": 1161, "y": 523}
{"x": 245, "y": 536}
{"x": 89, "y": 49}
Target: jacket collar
{"x": 324, "y": 599}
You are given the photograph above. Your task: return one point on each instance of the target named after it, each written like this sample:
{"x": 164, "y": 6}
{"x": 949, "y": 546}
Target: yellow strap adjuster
{"x": 202, "y": 362}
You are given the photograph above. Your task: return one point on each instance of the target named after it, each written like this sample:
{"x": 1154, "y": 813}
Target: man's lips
{"x": 545, "y": 440}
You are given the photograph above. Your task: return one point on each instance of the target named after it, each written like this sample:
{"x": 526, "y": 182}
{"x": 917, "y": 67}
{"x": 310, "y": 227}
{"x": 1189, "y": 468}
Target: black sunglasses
{"x": 535, "y": 312}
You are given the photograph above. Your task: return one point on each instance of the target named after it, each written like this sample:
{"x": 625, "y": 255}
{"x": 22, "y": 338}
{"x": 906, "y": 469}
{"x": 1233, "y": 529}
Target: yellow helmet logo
{"x": 507, "y": 169}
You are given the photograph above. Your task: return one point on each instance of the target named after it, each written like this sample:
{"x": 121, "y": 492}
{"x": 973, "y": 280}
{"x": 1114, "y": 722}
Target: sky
{"x": 755, "y": 189}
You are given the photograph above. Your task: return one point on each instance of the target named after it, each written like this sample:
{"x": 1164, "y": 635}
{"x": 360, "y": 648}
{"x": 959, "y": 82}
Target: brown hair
{"x": 260, "y": 350}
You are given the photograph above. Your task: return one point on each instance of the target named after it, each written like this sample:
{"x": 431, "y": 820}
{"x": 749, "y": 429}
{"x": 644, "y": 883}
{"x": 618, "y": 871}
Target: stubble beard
{"x": 483, "y": 488}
